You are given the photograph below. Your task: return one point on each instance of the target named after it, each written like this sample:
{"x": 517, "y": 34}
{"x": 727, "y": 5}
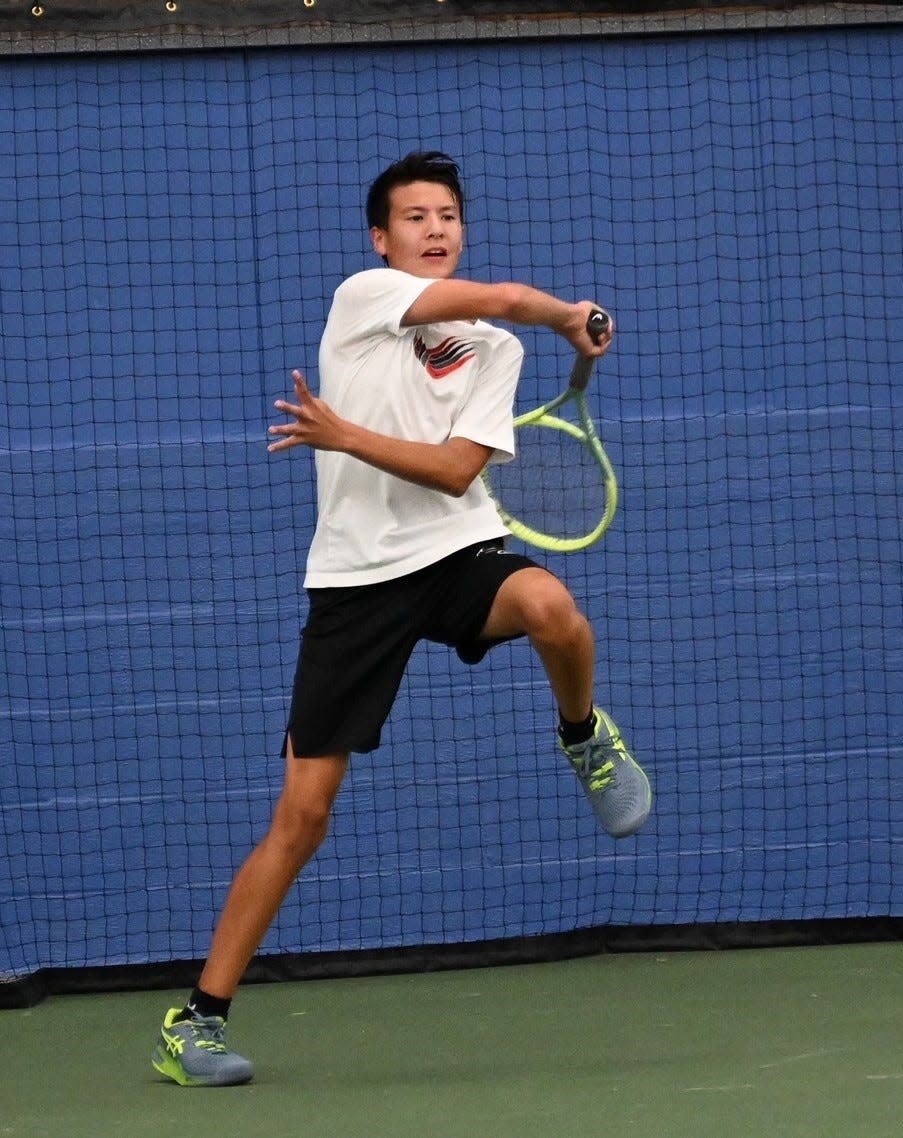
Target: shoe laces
{"x": 209, "y": 1034}
{"x": 599, "y": 760}
{"x": 598, "y": 778}
{"x": 593, "y": 761}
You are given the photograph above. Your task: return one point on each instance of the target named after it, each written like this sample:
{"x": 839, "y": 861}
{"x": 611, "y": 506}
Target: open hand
{"x": 315, "y": 423}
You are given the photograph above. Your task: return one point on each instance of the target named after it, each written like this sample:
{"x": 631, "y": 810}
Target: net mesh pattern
{"x": 172, "y": 228}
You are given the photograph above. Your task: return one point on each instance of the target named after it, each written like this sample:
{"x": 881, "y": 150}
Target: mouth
{"x": 437, "y": 252}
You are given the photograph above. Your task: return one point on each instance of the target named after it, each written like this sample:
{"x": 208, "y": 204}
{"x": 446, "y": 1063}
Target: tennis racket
{"x": 554, "y": 495}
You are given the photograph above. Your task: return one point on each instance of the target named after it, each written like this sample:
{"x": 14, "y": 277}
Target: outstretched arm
{"x": 450, "y": 466}
{"x": 455, "y": 299}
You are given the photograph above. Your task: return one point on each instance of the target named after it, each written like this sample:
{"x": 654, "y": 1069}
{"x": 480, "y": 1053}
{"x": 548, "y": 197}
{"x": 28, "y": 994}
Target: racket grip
{"x": 597, "y": 326}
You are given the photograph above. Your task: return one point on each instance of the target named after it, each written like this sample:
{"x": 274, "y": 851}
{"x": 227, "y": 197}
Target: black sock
{"x": 201, "y": 1005}
{"x": 573, "y": 733}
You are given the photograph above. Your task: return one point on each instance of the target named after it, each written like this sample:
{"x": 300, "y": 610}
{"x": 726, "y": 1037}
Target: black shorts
{"x": 358, "y": 641}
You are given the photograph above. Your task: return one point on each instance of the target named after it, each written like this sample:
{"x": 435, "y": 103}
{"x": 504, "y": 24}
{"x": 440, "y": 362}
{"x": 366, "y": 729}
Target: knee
{"x": 300, "y": 829}
{"x": 552, "y": 617}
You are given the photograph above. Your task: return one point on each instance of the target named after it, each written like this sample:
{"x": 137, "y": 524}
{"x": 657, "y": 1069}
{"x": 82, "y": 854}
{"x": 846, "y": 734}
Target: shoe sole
{"x": 168, "y": 1067}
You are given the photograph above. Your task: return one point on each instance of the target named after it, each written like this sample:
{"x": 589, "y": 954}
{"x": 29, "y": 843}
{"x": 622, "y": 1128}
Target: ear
{"x": 378, "y": 237}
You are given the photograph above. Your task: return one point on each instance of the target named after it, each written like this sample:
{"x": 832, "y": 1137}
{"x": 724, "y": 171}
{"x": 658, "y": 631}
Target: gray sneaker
{"x": 615, "y": 783}
{"x": 193, "y": 1053}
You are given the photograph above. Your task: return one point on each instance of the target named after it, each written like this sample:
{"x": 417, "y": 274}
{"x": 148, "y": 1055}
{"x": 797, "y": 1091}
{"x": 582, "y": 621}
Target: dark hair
{"x": 419, "y": 166}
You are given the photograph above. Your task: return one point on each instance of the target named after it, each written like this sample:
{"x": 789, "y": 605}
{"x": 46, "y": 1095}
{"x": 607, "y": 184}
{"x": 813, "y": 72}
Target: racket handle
{"x": 597, "y": 326}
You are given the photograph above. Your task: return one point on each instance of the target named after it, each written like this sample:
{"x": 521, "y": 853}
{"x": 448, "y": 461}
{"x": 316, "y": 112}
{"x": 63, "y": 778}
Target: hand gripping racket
{"x": 558, "y": 497}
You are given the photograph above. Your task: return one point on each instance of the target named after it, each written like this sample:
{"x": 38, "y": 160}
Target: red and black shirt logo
{"x": 445, "y": 358}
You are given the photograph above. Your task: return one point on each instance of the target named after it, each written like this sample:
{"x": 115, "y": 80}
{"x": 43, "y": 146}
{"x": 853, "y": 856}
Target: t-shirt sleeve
{"x": 487, "y": 416}
{"x": 373, "y": 303}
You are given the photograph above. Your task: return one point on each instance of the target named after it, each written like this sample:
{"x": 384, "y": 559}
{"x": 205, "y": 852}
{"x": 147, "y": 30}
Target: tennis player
{"x": 417, "y": 393}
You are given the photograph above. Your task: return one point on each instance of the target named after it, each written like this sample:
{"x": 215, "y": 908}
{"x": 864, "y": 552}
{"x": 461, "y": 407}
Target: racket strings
{"x": 553, "y": 485}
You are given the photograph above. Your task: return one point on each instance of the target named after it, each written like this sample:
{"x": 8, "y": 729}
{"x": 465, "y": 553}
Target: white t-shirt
{"x": 428, "y": 384}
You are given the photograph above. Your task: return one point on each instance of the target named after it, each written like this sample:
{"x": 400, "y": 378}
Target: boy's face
{"x": 425, "y": 235}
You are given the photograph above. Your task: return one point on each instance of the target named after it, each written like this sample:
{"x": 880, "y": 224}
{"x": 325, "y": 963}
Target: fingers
{"x": 301, "y": 388}
{"x": 601, "y": 345}
{"x": 290, "y": 431}
{"x": 607, "y": 336}
{"x": 311, "y": 419}
{"x": 609, "y": 328}
{"x": 283, "y": 444}
{"x": 304, "y": 397}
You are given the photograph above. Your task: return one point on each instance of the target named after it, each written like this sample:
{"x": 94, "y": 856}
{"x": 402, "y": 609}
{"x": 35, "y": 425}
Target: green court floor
{"x": 772, "y": 1043}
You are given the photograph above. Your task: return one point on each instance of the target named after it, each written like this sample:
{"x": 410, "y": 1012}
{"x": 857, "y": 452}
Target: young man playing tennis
{"x": 417, "y": 396}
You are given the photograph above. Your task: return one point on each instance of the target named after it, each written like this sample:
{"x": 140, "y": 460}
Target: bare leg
{"x": 535, "y": 603}
{"x": 299, "y": 825}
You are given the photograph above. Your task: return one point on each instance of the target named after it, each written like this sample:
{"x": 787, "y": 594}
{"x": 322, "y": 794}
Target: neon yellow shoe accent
{"x": 613, "y": 780}
{"x": 193, "y": 1053}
